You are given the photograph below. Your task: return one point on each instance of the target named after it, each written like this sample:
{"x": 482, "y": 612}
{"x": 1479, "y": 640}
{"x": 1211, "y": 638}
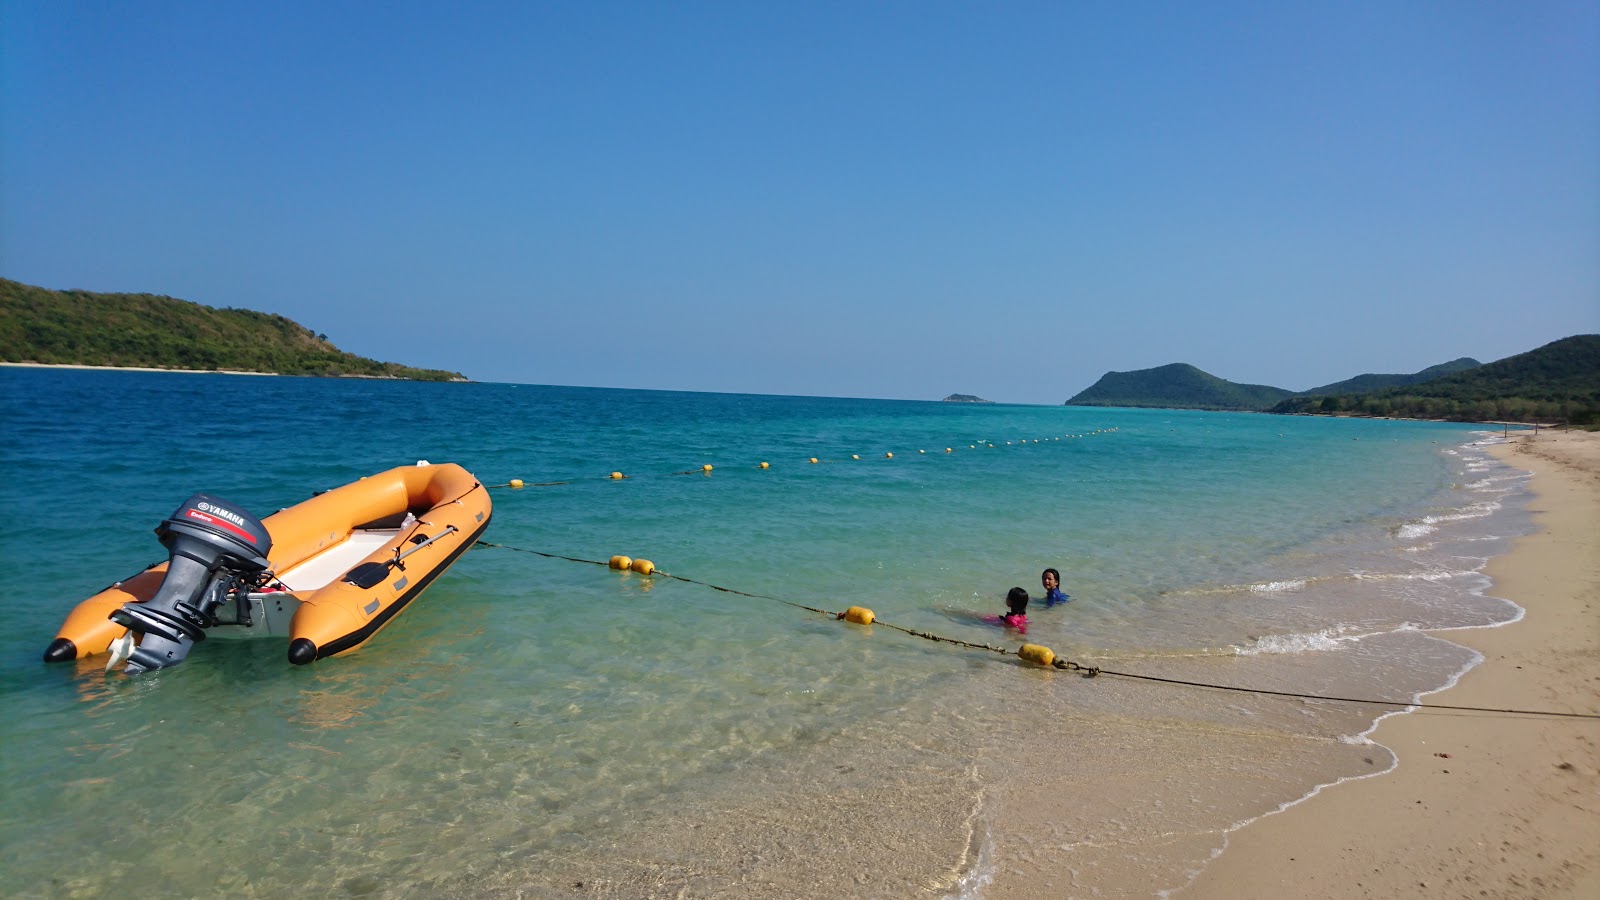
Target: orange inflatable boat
{"x": 328, "y": 573}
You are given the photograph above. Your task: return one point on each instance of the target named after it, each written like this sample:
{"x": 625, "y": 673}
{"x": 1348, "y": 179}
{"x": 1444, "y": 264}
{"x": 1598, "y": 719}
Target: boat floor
{"x": 324, "y": 568}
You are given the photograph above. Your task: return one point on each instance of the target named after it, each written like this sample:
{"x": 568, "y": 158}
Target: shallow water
{"x": 559, "y": 729}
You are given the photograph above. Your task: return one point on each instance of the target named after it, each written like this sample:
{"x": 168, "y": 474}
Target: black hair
{"x": 1017, "y": 601}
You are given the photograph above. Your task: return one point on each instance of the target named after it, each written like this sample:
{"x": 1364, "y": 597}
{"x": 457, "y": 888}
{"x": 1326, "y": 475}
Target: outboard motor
{"x": 217, "y": 548}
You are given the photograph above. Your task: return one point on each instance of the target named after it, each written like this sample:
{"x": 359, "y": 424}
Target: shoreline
{"x": 29, "y": 365}
{"x": 1477, "y": 804}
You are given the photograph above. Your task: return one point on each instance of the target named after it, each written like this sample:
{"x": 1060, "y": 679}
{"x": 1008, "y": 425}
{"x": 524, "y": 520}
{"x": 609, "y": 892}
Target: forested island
{"x": 1559, "y": 382}
{"x": 86, "y": 328}
{"x": 1177, "y": 386}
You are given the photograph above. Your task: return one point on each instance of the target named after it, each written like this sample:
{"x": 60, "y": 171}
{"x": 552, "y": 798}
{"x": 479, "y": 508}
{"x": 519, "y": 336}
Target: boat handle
{"x": 448, "y": 529}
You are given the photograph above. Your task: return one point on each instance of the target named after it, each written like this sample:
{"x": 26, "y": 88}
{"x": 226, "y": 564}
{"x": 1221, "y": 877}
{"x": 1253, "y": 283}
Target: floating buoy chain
{"x": 728, "y": 590}
{"x": 940, "y": 639}
{"x": 856, "y": 614}
{"x": 592, "y": 562}
{"x": 518, "y": 483}
{"x": 1033, "y": 653}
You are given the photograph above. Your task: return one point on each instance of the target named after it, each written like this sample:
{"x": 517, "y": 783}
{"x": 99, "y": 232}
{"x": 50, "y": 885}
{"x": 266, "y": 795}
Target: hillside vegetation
{"x": 1559, "y": 382}
{"x": 1177, "y": 386}
{"x": 39, "y": 325}
{"x": 1369, "y": 382}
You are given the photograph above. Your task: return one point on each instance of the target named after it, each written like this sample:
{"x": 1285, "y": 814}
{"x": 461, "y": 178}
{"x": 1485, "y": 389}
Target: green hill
{"x": 38, "y": 325}
{"x": 1177, "y": 386}
{"x": 1364, "y": 383}
{"x": 1557, "y": 382}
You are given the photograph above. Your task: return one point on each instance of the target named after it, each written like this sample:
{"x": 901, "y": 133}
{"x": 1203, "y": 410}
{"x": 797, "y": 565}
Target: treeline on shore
{"x": 86, "y": 328}
{"x": 1559, "y": 382}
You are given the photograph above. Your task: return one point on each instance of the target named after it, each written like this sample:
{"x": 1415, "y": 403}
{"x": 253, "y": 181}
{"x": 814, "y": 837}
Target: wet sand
{"x": 1480, "y": 804}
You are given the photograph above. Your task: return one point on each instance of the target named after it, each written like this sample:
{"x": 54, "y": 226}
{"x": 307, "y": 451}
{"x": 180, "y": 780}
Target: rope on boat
{"x": 518, "y": 483}
{"x": 1035, "y": 653}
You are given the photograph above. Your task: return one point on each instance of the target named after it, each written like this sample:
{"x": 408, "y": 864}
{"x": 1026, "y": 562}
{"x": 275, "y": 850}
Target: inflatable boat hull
{"x": 344, "y": 563}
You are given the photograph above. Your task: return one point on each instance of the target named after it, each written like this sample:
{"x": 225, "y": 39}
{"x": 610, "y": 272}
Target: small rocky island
{"x": 965, "y": 398}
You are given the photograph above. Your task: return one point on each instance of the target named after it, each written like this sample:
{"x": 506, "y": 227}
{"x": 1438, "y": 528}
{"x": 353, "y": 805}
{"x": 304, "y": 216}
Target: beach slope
{"x": 1480, "y": 804}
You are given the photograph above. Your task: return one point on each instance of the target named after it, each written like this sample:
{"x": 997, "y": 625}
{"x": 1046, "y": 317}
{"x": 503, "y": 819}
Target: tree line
{"x": 86, "y": 328}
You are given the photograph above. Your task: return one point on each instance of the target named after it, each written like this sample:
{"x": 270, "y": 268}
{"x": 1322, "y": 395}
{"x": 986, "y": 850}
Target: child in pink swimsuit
{"x": 1016, "y": 614}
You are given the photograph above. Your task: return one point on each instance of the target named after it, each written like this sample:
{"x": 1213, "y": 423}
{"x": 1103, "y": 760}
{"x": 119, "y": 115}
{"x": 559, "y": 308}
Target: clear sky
{"x": 865, "y": 199}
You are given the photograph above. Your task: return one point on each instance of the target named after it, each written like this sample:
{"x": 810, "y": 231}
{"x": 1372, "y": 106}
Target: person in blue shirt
{"x": 1051, "y": 579}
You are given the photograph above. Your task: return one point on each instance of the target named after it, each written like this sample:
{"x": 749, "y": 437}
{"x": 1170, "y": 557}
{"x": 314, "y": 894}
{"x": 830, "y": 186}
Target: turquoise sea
{"x": 544, "y": 728}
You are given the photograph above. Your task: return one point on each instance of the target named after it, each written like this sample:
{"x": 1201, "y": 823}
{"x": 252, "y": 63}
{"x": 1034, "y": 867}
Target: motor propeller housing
{"x": 215, "y": 547}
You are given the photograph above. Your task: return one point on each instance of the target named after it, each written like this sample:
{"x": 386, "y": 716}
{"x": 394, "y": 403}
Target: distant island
{"x": 965, "y": 398}
{"x": 84, "y": 328}
{"x": 1177, "y": 386}
{"x": 1559, "y": 382}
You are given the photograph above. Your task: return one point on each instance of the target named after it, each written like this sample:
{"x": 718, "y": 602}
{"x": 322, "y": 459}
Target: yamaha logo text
{"x": 228, "y": 514}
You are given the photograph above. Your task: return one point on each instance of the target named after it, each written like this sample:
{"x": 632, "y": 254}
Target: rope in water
{"x": 518, "y": 484}
{"x": 1057, "y": 662}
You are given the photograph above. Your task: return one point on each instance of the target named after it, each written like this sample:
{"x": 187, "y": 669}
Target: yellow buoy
{"x": 706, "y": 467}
{"x": 948, "y": 450}
{"x": 1037, "y": 653}
{"x": 860, "y": 615}
{"x": 888, "y": 456}
{"x": 764, "y": 465}
{"x": 621, "y": 562}
{"x": 855, "y": 456}
{"x": 813, "y": 459}
{"x": 616, "y": 476}
{"x": 643, "y": 566}
{"x": 516, "y": 482}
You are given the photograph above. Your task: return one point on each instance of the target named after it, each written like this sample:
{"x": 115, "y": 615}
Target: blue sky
{"x": 841, "y": 199}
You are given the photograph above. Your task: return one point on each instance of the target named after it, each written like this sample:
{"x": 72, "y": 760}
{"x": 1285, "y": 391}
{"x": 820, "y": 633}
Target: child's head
{"x": 1050, "y": 579}
{"x": 1017, "y": 601}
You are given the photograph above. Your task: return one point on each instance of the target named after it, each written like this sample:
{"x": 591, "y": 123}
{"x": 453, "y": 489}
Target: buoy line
{"x": 707, "y": 469}
{"x": 1033, "y": 653}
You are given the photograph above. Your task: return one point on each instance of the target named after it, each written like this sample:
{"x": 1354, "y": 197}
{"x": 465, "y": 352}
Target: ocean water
{"x": 544, "y": 728}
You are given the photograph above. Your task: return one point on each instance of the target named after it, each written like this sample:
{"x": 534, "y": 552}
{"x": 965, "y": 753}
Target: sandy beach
{"x": 1480, "y": 804}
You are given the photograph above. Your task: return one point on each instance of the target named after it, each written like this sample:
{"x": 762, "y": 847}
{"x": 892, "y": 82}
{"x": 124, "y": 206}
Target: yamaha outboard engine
{"x": 217, "y": 548}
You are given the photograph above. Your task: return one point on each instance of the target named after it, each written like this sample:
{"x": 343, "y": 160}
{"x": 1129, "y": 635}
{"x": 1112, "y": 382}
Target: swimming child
{"x": 1016, "y": 614}
{"x": 1051, "y": 579}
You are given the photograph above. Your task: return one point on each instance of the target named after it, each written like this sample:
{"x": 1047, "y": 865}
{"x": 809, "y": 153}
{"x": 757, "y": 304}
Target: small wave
{"x": 1427, "y": 525}
{"x": 1275, "y": 644}
{"x": 1272, "y": 587}
{"x": 1475, "y": 511}
{"x": 1434, "y": 576}
{"x": 1262, "y": 587}
{"x": 1499, "y": 484}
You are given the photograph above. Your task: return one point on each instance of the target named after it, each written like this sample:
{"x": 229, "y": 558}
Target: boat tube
{"x": 328, "y": 573}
